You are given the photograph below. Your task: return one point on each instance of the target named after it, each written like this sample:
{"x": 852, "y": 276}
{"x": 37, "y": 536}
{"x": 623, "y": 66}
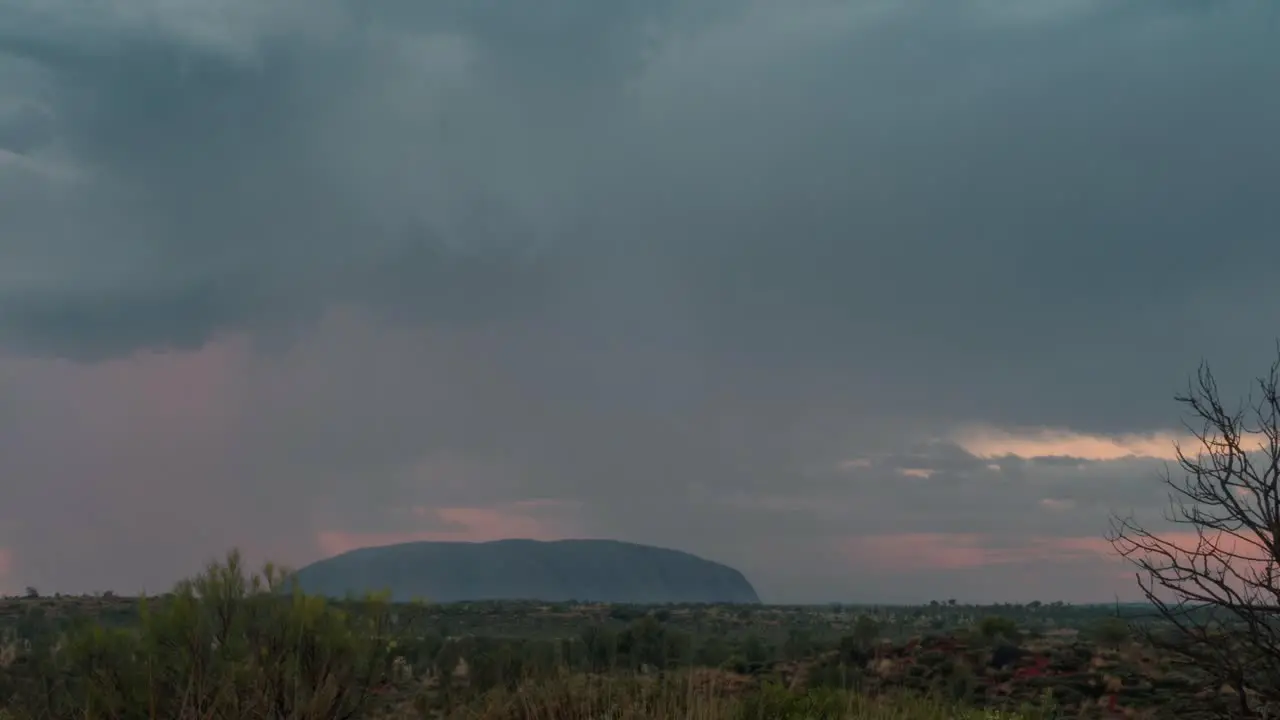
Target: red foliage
{"x": 1039, "y": 666}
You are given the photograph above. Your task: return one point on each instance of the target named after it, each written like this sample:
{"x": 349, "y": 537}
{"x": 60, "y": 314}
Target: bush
{"x": 224, "y": 644}
{"x": 1111, "y": 632}
{"x": 773, "y": 702}
{"x": 994, "y": 627}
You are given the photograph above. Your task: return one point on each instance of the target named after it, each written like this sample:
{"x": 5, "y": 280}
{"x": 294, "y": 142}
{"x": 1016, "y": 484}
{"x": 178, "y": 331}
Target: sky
{"x": 875, "y": 301}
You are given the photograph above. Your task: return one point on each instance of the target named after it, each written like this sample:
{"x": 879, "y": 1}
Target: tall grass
{"x": 578, "y": 698}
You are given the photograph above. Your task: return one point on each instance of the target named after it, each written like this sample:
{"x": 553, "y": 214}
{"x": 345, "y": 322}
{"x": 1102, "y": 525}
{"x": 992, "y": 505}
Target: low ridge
{"x": 556, "y": 571}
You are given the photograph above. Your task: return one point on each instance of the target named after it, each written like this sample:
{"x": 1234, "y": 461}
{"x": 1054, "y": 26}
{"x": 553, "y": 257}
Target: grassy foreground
{"x": 578, "y": 699}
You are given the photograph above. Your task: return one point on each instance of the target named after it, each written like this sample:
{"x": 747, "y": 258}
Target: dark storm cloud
{"x": 675, "y": 262}
{"x": 854, "y": 188}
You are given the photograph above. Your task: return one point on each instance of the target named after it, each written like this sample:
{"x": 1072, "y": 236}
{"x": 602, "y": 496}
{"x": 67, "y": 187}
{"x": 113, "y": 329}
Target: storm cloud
{"x": 873, "y": 300}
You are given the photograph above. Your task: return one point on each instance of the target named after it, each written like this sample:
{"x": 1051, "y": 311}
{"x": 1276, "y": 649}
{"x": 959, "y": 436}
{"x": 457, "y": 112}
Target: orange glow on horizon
{"x": 989, "y": 442}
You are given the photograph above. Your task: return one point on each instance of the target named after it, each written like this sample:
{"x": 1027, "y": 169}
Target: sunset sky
{"x": 875, "y": 301}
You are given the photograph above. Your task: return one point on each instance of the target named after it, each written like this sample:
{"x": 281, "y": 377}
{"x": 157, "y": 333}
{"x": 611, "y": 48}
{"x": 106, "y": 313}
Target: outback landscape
{"x": 639, "y": 360}
{"x": 231, "y": 643}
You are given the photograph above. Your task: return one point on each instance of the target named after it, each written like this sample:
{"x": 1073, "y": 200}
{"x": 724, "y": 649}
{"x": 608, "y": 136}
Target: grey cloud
{"x": 879, "y": 163}
{"x": 23, "y": 126}
{"x": 649, "y": 256}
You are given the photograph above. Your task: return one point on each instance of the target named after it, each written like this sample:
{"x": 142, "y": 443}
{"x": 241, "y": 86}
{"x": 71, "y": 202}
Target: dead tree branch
{"x": 1213, "y": 577}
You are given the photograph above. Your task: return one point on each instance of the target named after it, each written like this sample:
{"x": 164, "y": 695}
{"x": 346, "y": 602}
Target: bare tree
{"x": 1212, "y": 579}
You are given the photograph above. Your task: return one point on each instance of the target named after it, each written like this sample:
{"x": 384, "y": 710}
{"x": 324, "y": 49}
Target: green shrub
{"x": 995, "y": 627}
{"x": 774, "y": 702}
{"x": 224, "y": 644}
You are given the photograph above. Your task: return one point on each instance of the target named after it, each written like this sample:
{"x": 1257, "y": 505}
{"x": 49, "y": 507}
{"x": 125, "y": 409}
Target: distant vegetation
{"x": 234, "y": 644}
{"x": 588, "y": 570}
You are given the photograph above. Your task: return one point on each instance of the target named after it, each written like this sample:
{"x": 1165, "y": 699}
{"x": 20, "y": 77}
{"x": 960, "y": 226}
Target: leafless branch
{"x": 1214, "y": 580}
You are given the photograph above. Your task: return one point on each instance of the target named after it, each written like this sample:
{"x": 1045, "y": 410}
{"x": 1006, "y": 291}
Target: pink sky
{"x": 168, "y": 430}
{"x": 943, "y": 552}
{"x": 958, "y": 551}
{"x": 470, "y": 524}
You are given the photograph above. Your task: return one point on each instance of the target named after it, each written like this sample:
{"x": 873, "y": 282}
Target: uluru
{"x": 552, "y": 571}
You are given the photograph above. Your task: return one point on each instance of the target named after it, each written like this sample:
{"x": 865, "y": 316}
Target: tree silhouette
{"x": 1214, "y": 584}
